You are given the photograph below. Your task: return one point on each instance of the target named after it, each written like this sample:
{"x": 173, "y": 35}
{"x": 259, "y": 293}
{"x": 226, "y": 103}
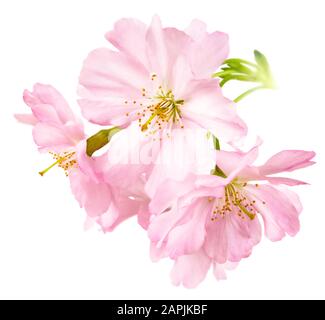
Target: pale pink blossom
{"x": 56, "y": 128}
{"x": 160, "y": 78}
{"x": 214, "y": 219}
{"x": 58, "y": 131}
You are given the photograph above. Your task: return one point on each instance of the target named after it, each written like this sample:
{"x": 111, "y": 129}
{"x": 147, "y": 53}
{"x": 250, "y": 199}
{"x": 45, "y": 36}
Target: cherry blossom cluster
{"x": 157, "y": 95}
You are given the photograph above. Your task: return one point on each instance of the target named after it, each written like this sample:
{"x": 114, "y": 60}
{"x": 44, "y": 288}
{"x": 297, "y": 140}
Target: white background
{"x": 44, "y": 251}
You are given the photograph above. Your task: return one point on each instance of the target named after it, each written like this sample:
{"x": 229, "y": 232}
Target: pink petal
{"x": 231, "y": 238}
{"x": 112, "y": 82}
{"x": 237, "y": 164}
{"x": 113, "y": 73}
{"x": 144, "y": 215}
{"x": 75, "y": 131}
{"x": 129, "y": 36}
{"x": 166, "y": 193}
{"x": 109, "y": 111}
{"x": 176, "y": 158}
{"x": 94, "y": 197}
{"x": 177, "y": 45}
{"x": 293, "y": 198}
{"x": 196, "y": 30}
{"x": 161, "y": 225}
{"x": 89, "y": 223}
{"x": 48, "y": 95}
{"x": 122, "y": 204}
{"x": 46, "y": 113}
{"x": 93, "y": 167}
{"x": 287, "y": 160}
{"x": 26, "y": 118}
{"x": 52, "y": 138}
{"x": 188, "y": 237}
{"x": 121, "y": 209}
{"x": 181, "y": 76}
{"x": 123, "y": 156}
{"x": 157, "y": 253}
{"x": 190, "y": 270}
{"x": 287, "y": 181}
{"x": 156, "y": 49}
{"x": 280, "y": 212}
{"x": 208, "y": 53}
{"x": 206, "y": 106}
{"x": 210, "y": 181}
{"x": 219, "y": 270}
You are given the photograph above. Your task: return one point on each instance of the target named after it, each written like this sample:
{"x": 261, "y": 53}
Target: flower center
{"x": 65, "y": 160}
{"x": 162, "y": 111}
{"x": 234, "y": 202}
{"x": 166, "y": 109}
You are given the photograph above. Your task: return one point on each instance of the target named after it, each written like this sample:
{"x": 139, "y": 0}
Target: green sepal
{"x": 216, "y": 142}
{"x": 100, "y": 139}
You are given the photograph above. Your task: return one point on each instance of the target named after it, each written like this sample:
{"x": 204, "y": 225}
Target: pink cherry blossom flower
{"x": 160, "y": 78}
{"x": 213, "y": 219}
{"x": 190, "y": 270}
{"x": 56, "y": 128}
{"x": 58, "y": 131}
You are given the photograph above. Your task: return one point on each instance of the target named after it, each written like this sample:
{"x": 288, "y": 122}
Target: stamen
{"x": 234, "y": 202}
{"x": 166, "y": 110}
{"x": 64, "y": 161}
{"x": 50, "y": 167}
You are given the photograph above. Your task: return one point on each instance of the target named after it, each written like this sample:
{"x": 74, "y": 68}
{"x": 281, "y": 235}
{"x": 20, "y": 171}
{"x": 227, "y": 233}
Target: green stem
{"x": 237, "y": 60}
{"x": 248, "y": 92}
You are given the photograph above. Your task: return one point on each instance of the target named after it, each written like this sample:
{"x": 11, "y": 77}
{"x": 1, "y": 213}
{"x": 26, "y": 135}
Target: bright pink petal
{"x": 287, "y": 160}
{"x": 190, "y": 270}
{"x": 129, "y": 36}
